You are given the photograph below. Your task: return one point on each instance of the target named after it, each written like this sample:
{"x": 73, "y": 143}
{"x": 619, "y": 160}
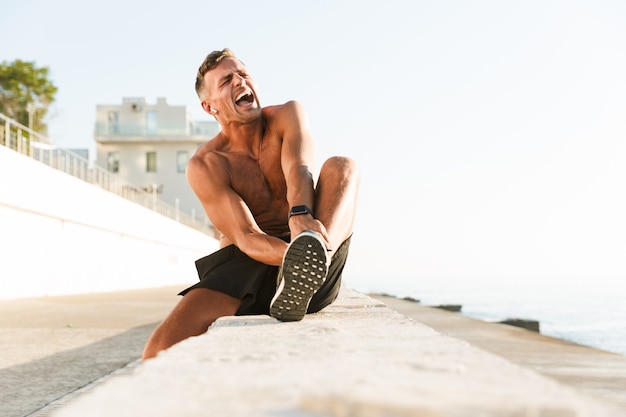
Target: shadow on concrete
{"x": 28, "y": 387}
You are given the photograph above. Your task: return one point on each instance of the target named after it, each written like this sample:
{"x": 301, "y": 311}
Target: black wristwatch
{"x": 297, "y": 210}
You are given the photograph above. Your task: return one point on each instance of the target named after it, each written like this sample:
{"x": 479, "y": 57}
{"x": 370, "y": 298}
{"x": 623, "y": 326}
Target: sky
{"x": 490, "y": 135}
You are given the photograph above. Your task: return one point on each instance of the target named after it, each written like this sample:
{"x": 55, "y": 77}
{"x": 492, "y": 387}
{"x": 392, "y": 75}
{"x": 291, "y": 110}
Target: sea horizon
{"x": 592, "y": 314}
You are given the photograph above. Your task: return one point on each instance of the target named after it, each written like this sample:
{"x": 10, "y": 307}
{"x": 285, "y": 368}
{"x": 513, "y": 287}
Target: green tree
{"x": 26, "y": 93}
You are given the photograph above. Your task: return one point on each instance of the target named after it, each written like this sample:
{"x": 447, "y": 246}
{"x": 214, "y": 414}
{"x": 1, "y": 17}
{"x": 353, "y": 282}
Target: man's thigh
{"x": 203, "y": 306}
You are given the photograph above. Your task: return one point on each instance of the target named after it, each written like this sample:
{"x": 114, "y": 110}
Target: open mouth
{"x": 245, "y": 99}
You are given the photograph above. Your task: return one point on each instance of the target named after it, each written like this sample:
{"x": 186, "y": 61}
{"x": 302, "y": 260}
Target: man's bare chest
{"x": 260, "y": 182}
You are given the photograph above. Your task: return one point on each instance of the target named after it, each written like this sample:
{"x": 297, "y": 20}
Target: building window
{"x": 151, "y": 123}
{"x": 114, "y": 123}
{"x": 113, "y": 162}
{"x": 151, "y": 162}
{"x": 181, "y": 161}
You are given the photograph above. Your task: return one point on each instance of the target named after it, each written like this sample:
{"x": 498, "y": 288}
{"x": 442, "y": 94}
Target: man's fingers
{"x": 325, "y": 237}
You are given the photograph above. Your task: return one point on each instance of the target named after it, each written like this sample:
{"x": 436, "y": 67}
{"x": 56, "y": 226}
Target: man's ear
{"x": 207, "y": 107}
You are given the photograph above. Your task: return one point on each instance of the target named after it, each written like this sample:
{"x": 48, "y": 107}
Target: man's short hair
{"x": 210, "y": 62}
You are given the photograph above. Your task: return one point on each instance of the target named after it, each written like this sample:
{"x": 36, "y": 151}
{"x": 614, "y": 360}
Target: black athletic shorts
{"x": 232, "y": 272}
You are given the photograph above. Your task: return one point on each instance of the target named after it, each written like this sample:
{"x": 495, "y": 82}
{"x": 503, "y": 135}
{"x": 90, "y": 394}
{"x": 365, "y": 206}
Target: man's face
{"x": 231, "y": 92}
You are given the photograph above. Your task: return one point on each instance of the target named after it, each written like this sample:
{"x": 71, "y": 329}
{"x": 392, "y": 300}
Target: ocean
{"x": 591, "y": 314}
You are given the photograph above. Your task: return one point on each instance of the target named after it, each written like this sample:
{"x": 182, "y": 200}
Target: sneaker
{"x": 302, "y": 273}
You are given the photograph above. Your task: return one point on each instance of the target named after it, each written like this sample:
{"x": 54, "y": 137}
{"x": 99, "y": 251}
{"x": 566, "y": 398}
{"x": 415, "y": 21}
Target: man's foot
{"x": 302, "y": 273}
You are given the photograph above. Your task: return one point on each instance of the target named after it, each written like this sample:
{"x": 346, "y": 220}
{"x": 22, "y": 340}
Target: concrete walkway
{"x": 52, "y": 346}
{"x": 595, "y": 372}
{"x": 356, "y": 358}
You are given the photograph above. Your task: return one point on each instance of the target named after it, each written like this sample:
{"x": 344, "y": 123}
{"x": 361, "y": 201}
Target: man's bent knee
{"x": 341, "y": 165}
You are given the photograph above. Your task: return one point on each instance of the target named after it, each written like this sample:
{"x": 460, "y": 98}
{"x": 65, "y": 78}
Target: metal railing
{"x": 20, "y": 138}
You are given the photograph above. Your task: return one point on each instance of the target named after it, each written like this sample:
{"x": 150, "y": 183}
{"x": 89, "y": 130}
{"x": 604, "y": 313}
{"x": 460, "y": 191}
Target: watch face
{"x": 299, "y": 210}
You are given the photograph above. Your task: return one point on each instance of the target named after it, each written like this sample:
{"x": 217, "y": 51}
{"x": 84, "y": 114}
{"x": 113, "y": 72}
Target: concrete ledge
{"x": 355, "y": 358}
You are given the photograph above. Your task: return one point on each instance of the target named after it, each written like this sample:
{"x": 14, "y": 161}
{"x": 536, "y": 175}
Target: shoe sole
{"x": 304, "y": 271}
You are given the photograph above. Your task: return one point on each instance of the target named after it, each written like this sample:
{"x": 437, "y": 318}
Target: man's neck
{"x": 245, "y": 137}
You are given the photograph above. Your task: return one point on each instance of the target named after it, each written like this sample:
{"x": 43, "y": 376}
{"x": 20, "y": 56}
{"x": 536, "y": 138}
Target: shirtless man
{"x": 255, "y": 183}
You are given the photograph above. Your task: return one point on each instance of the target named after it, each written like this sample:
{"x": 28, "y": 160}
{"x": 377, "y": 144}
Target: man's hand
{"x": 302, "y": 222}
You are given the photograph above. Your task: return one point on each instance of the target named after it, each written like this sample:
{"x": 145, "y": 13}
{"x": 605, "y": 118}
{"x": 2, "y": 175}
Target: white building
{"x": 149, "y": 145}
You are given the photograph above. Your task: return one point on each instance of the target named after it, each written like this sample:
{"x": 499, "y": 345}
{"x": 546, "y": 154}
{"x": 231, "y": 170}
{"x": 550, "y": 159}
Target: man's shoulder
{"x": 277, "y": 109}
{"x": 207, "y": 156}
{"x": 283, "y": 115}
{"x": 205, "y": 171}
{"x": 210, "y": 147}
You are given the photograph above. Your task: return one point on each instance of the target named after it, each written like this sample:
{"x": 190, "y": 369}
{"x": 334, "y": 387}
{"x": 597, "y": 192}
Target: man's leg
{"x": 192, "y": 316}
{"x": 335, "y": 198}
{"x": 305, "y": 267}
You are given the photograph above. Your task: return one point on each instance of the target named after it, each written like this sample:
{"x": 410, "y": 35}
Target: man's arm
{"x": 297, "y": 160}
{"x": 228, "y": 212}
